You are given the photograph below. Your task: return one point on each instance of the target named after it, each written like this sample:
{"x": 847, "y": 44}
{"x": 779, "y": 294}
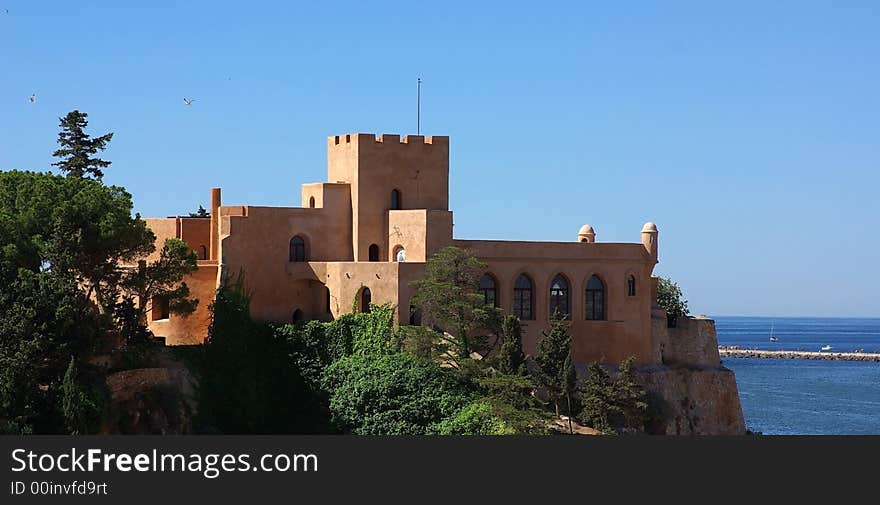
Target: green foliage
{"x": 597, "y": 399}
{"x": 553, "y": 350}
{"x": 391, "y": 394}
{"x": 82, "y": 405}
{"x": 614, "y": 406}
{"x": 249, "y": 383}
{"x": 202, "y": 212}
{"x": 478, "y": 418}
{"x": 449, "y": 296}
{"x": 162, "y": 278}
{"x": 512, "y": 400}
{"x": 423, "y": 343}
{"x": 44, "y": 320}
{"x": 511, "y": 358}
{"x": 374, "y": 332}
{"x": 77, "y": 147}
{"x": 671, "y": 299}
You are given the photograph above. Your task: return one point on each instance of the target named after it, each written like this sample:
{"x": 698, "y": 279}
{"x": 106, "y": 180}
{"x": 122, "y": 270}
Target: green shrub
{"x": 391, "y": 394}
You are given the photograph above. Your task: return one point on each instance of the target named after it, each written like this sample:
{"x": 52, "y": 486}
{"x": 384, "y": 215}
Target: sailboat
{"x": 772, "y": 337}
{"x": 825, "y": 348}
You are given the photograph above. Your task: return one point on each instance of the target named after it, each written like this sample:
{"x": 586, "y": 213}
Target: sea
{"x": 805, "y": 397}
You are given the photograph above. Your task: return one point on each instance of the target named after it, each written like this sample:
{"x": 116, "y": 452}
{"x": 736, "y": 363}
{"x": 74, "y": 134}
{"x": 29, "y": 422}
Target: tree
{"x": 553, "y": 350}
{"x": 81, "y": 404}
{"x": 631, "y": 397}
{"x": 449, "y": 295}
{"x": 249, "y": 383}
{"x": 202, "y": 212}
{"x": 392, "y": 394}
{"x": 597, "y": 399}
{"x": 671, "y": 299}
{"x": 160, "y": 279}
{"x": 615, "y": 405}
{"x": 511, "y": 358}
{"x": 77, "y": 148}
{"x": 569, "y": 387}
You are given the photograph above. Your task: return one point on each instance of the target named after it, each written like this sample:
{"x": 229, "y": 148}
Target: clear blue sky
{"x": 748, "y": 131}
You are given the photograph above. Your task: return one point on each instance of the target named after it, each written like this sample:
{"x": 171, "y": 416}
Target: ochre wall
{"x": 627, "y": 329}
{"x": 416, "y": 166}
{"x": 191, "y": 329}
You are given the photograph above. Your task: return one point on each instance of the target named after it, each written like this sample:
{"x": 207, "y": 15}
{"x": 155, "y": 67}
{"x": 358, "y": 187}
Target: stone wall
{"x": 690, "y": 389}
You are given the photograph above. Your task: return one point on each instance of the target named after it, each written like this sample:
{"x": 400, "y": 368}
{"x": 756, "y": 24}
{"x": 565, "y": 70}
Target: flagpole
{"x": 419, "y": 107}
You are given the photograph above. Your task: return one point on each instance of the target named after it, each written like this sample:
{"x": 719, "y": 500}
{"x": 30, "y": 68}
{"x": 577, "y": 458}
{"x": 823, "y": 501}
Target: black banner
{"x": 334, "y": 469}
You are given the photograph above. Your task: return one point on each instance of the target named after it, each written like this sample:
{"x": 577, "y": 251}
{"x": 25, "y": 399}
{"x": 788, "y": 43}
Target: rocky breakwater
{"x": 691, "y": 390}
{"x": 735, "y": 352}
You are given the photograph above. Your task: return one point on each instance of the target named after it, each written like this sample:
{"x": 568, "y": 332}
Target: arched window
{"x": 395, "y": 200}
{"x": 366, "y": 299}
{"x": 203, "y": 252}
{"x": 374, "y": 252}
{"x": 559, "y": 297}
{"x": 487, "y": 287}
{"x": 311, "y": 202}
{"x": 400, "y": 254}
{"x": 297, "y": 316}
{"x": 631, "y": 286}
{"x": 297, "y": 249}
{"x": 594, "y": 301}
{"x": 523, "y": 303}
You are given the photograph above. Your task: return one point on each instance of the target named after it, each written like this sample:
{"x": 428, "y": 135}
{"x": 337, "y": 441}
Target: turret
{"x": 215, "y": 220}
{"x": 649, "y": 239}
{"x": 586, "y": 234}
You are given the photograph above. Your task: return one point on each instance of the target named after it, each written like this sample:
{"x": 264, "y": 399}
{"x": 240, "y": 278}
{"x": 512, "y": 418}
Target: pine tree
{"x": 631, "y": 397}
{"x": 511, "y": 358}
{"x": 597, "y": 400}
{"x": 553, "y": 350}
{"x": 77, "y": 147}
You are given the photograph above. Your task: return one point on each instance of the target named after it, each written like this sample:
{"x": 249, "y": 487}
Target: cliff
{"x": 693, "y": 393}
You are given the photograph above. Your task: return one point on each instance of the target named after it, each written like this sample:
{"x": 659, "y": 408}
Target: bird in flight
{"x": 188, "y": 101}
{"x": 32, "y": 98}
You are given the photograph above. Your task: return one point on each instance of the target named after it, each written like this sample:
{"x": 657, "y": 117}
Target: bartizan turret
{"x": 586, "y": 234}
{"x": 649, "y": 239}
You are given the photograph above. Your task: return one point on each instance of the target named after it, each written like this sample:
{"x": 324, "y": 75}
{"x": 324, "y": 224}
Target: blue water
{"x": 801, "y": 397}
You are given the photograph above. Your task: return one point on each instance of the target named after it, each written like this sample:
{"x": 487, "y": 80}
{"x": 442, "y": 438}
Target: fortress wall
{"x": 420, "y": 232}
{"x": 691, "y": 342}
{"x": 192, "y": 329}
{"x": 626, "y": 331}
{"x": 416, "y": 166}
{"x": 695, "y": 393}
{"x": 571, "y": 251}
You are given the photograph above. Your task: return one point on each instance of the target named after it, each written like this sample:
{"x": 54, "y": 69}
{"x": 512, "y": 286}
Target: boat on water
{"x": 825, "y": 348}
{"x": 773, "y": 338}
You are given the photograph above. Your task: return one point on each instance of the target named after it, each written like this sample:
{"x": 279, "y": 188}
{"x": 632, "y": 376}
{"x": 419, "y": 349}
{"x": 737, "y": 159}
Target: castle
{"x": 364, "y": 235}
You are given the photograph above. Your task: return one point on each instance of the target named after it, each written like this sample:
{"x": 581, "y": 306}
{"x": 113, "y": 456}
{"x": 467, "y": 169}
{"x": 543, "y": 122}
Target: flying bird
{"x": 32, "y": 98}
{"x": 188, "y": 101}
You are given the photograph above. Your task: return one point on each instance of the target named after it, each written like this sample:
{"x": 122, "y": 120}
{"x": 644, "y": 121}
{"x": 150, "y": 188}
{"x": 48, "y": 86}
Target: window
{"x": 400, "y": 255}
{"x": 203, "y": 252}
{"x": 631, "y": 286}
{"x": 522, "y": 298}
{"x": 487, "y": 287}
{"x": 594, "y": 301}
{"x": 395, "y": 200}
{"x": 297, "y": 316}
{"x": 366, "y": 299}
{"x": 559, "y": 297}
{"x": 374, "y": 252}
{"x": 327, "y": 300}
{"x": 311, "y": 202}
{"x": 297, "y": 249}
{"x": 415, "y": 316}
{"x": 161, "y": 308}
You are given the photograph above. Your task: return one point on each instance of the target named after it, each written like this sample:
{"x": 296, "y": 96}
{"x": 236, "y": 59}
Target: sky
{"x": 748, "y": 131}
